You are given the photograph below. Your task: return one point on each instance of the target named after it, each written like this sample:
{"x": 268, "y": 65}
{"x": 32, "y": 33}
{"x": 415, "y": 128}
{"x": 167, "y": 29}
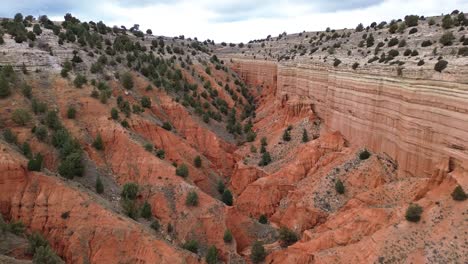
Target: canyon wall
{"x": 418, "y": 119}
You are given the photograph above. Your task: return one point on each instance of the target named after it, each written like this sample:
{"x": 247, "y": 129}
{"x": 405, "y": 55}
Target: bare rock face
{"x": 416, "y": 122}
{"x": 72, "y": 220}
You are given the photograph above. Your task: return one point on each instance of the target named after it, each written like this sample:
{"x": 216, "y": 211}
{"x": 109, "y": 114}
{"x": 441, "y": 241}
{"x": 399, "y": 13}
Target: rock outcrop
{"x": 417, "y": 122}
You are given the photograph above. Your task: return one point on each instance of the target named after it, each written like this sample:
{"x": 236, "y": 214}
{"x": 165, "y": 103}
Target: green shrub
{"x": 440, "y": 65}
{"x": 263, "y": 219}
{"x": 127, "y": 80}
{"x": 258, "y": 253}
{"x": 71, "y": 112}
{"x": 393, "y": 53}
{"x": 182, "y": 170}
{"x": 227, "y": 197}
{"x": 197, "y": 162}
{"x": 266, "y": 159}
{"x": 45, "y": 255}
{"x": 99, "y": 185}
{"x": 79, "y": 81}
{"x": 459, "y": 194}
{"x": 355, "y": 65}
{"x": 287, "y": 237}
{"x": 52, "y": 120}
{"x": 212, "y": 255}
{"x": 35, "y": 164}
{"x": 447, "y": 39}
{"x": 15, "y": 227}
{"x": 413, "y": 213}
{"x": 192, "y": 199}
{"x": 38, "y": 107}
{"x": 146, "y": 210}
{"x": 98, "y": 143}
{"x": 191, "y": 245}
{"x": 130, "y": 209}
{"x": 41, "y": 133}
{"x": 149, "y": 147}
{"x": 129, "y": 191}
{"x": 36, "y": 240}
{"x": 411, "y": 20}
{"x": 160, "y": 153}
{"x": 251, "y": 136}
{"x": 71, "y": 166}
{"x": 21, "y": 117}
{"x": 447, "y": 22}
{"x": 9, "y": 136}
{"x": 37, "y": 29}
{"x": 426, "y": 43}
{"x": 4, "y": 87}
{"x": 227, "y": 236}
{"x": 463, "y": 51}
{"x": 155, "y": 225}
{"x": 393, "y": 42}
{"x": 26, "y": 90}
{"x": 167, "y": 126}
{"x": 26, "y": 149}
{"x": 421, "y": 62}
{"x": 336, "y": 62}
{"x": 114, "y": 114}
{"x": 339, "y": 187}
{"x": 365, "y": 154}
{"x": 145, "y": 102}
{"x": 412, "y": 31}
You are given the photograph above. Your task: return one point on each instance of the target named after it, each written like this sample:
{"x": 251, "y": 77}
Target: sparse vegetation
{"x": 192, "y": 199}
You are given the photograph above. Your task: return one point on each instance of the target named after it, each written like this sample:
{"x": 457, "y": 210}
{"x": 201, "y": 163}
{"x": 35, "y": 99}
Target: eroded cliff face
{"x": 417, "y": 122}
{"x": 78, "y": 225}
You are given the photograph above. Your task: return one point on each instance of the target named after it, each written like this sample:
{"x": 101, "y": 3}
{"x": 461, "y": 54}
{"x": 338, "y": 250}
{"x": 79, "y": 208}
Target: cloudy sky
{"x": 231, "y": 20}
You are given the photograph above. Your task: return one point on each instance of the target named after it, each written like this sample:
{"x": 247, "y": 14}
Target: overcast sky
{"x": 230, "y": 20}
